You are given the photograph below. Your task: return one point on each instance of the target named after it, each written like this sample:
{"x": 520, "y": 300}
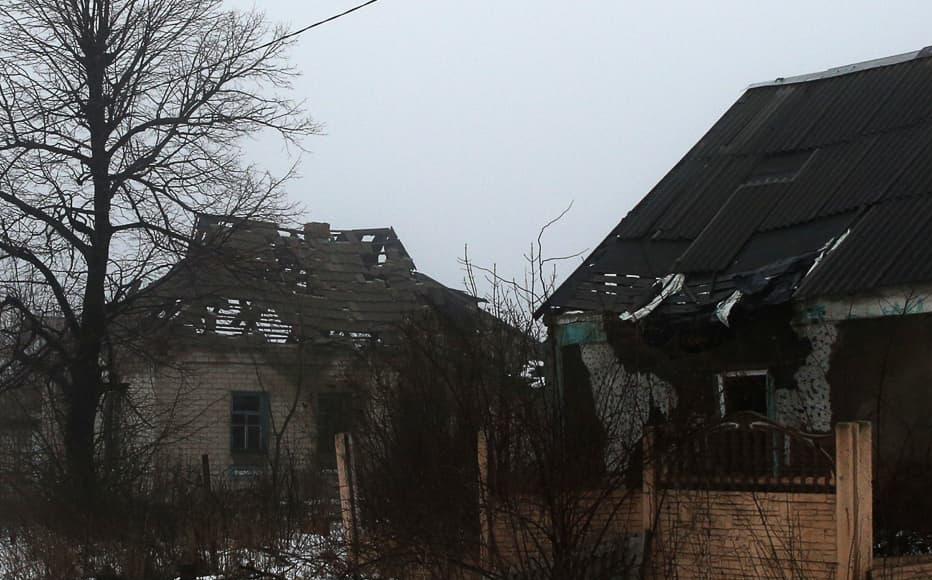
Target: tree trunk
{"x": 87, "y": 368}
{"x": 82, "y": 398}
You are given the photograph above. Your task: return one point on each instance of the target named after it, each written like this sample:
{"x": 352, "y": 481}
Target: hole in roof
{"x": 779, "y": 167}
{"x": 368, "y": 238}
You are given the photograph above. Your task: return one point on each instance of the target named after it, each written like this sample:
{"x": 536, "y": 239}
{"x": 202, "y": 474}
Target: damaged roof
{"x": 807, "y": 186}
{"x": 256, "y": 278}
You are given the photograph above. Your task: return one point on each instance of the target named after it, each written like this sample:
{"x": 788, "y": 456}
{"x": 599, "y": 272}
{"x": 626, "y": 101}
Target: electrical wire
{"x": 311, "y": 26}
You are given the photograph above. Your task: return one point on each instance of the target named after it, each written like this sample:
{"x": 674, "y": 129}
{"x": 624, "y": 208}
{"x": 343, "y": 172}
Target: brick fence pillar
{"x": 854, "y": 500}
{"x": 649, "y": 501}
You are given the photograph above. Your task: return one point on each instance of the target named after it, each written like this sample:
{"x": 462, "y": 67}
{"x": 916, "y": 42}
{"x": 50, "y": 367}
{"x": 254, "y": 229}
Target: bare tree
{"x": 556, "y": 480}
{"x": 120, "y": 124}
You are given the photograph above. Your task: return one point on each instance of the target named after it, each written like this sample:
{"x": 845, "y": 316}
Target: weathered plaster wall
{"x": 808, "y": 406}
{"x": 803, "y": 404}
{"x": 880, "y": 303}
{"x": 624, "y": 399}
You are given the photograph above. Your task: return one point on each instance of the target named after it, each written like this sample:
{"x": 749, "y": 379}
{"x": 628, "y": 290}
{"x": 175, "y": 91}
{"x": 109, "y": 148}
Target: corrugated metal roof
{"x": 730, "y": 229}
{"x": 692, "y": 212}
{"x": 879, "y": 251}
{"x": 862, "y": 136}
{"x": 805, "y": 196}
{"x": 909, "y": 103}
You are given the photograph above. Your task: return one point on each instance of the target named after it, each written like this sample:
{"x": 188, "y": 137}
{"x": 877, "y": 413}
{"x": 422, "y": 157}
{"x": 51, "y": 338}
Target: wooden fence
{"x": 745, "y": 451}
{"x": 743, "y": 498}
{"x": 733, "y": 487}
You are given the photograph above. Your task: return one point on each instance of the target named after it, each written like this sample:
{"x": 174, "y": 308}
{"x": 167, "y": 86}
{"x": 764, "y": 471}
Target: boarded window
{"x": 249, "y": 422}
{"x": 334, "y": 415}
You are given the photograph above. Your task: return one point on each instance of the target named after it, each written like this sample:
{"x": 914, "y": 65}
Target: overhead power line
{"x": 314, "y": 25}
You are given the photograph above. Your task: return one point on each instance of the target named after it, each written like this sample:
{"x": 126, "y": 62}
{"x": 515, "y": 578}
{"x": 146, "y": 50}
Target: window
{"x": 334, "y": 415}
{"x": 249, "y": 422}
{"x": 745, "y": 391}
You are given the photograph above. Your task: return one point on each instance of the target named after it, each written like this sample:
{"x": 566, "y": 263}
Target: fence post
{"x": 648, "y": 495}
{"x": 865, "y": 498}
{"x": 853, "y": 500}
{"x": 485, "y": 510}
{"x": 346, "y": 476}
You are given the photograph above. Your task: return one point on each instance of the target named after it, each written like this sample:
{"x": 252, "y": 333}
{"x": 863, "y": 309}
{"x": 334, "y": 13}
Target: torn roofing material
{"x": 256, "y": 278}
{"x": 789, "y": 168}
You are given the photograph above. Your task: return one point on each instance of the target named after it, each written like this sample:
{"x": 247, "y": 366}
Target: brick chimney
{"x": 317, "y": 231}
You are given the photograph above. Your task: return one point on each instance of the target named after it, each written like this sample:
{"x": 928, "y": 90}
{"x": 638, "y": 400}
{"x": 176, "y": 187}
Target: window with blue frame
{"x": 249, "y": 422}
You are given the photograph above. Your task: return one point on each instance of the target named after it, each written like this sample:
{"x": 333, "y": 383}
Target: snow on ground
{"x": 305, "y": 557}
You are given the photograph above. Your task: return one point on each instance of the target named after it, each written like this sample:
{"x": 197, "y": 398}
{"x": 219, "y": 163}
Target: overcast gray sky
{"x": 476, "y": 121}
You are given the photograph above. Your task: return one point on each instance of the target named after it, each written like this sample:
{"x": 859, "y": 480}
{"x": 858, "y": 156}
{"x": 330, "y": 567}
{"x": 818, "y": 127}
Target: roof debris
{"x": 723, "y": 309}
{"x": 829, "y": 170}
{"x": 669, "y": 286}
{"x": 285, "y": 285}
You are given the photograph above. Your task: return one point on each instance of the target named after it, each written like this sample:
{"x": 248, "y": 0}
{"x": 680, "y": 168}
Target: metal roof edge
{"x": 847, "y": 69}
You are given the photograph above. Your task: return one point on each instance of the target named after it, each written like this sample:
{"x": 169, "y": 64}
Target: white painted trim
{"x": 844, "y": 70}
{"x": 881, "y": 303}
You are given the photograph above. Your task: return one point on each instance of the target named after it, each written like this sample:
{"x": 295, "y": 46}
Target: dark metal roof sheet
{"x": 821, "y": 177}
{"x": 785, "y": 171}
{"x": 730, "y": 229}
{"x": 639, "y": 221}
{"x": 909, "y": 103}
{"x": 774, "y": 245}
{"x": 857, "y": 99}
{"x": 890, "y": 154}
{"x": 879, "y": 251}
{"x": 691, "y": 214}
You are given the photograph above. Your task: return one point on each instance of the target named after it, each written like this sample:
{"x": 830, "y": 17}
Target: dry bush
{"x": 179, "y": 528}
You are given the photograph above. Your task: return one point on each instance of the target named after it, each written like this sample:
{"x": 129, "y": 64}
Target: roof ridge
{"x": 847, "y": 69}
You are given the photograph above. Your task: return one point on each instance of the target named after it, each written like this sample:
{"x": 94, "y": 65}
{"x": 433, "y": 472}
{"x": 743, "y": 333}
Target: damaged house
{"x": 783, "y": 266}
{"x": 259, "y": 345}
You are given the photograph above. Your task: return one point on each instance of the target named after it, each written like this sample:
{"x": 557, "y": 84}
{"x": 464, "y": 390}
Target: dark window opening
{"x": 334, "y": 415}
{"x": 745, "y": 391}
{"x": 249, "y": 422}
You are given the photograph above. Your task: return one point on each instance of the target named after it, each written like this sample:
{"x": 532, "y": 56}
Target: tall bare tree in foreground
{"x": 120, "y": 124}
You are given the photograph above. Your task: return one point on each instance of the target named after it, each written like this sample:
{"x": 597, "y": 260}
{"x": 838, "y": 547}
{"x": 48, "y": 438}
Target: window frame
{"x": 722, "y": 403}
{"x": 262, "y": 414}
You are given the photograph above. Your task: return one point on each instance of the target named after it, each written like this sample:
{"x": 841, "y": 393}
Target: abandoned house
{"x": 259, "y": 349}
{"x": 783, "y": 266}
